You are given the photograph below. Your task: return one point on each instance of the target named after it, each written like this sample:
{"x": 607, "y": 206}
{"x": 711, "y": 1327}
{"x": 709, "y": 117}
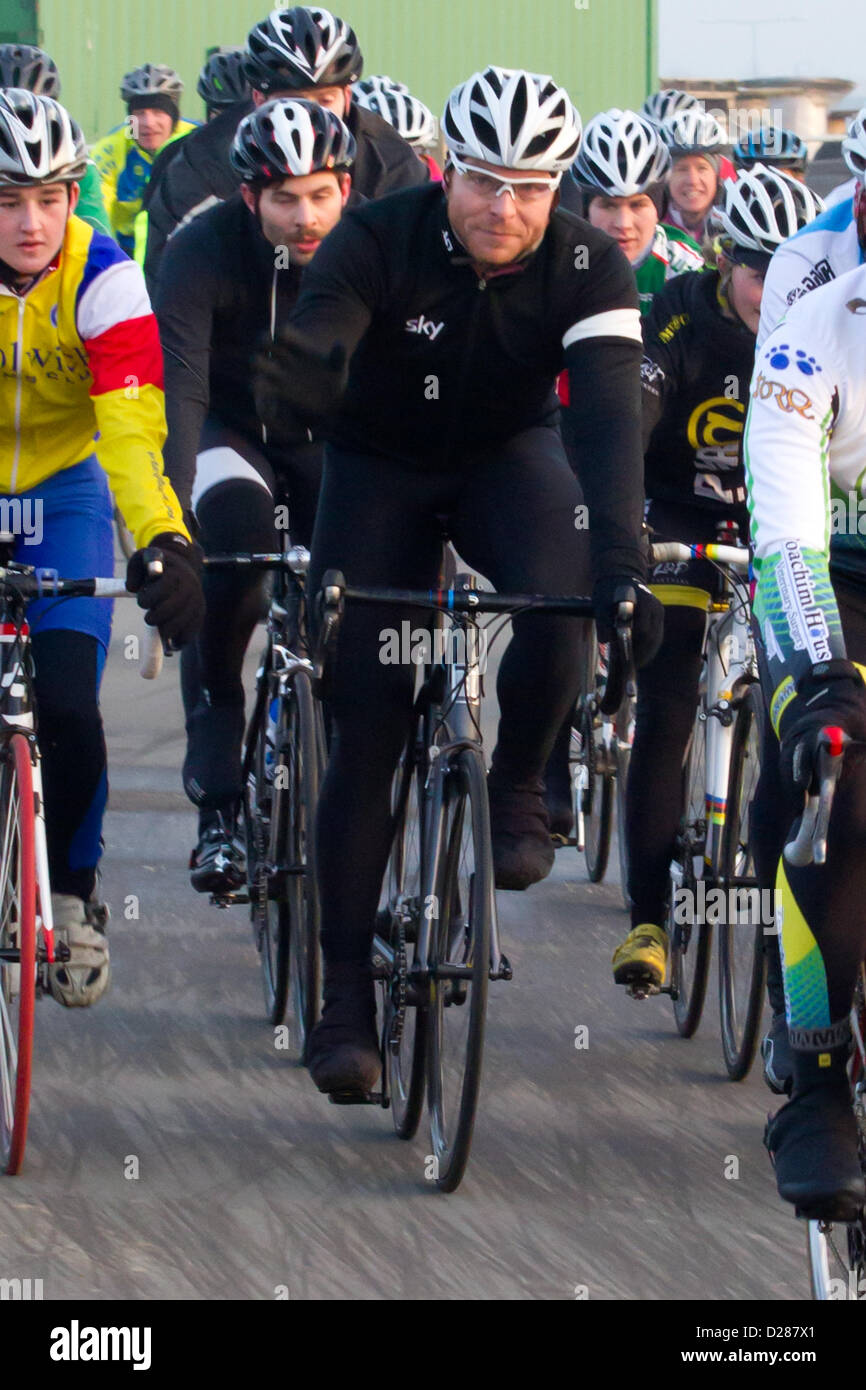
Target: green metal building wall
{"x": 604, "y": 51}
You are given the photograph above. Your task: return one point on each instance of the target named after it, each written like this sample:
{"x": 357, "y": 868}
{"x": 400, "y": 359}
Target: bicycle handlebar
{"x": 47, "y": 583}
{"x": 335, "y": 591}
{"x": 735, "y": 555}
{"x": 297, "y": 560}
{"x": 810, "y": 844}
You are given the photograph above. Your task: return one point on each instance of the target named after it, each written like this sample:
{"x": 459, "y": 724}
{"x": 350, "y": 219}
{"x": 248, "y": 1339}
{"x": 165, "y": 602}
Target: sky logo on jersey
{"x": 426, "y": 328}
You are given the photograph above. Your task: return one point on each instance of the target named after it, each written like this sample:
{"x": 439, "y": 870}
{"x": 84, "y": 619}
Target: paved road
{"x": 175, "y": 1153}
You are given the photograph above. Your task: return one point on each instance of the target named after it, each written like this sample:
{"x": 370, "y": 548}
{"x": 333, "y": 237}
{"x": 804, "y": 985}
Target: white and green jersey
{"x": 671, "y": 252}
{"x": 805, "y": 456}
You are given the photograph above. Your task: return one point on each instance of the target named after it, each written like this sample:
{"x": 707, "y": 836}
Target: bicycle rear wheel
{"x": 690, "y": 938}
{"x": 460, "y": 966}
{"x": 622, "y": 757}
{"x": 402, "y": 1010}
{"x": 742, "y": 960}
{"x": 837, "y": 1261}
{"x": 17, "y": 947}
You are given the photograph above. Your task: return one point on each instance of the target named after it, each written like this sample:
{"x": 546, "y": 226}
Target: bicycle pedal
{"x": 562, "y": 841}
{"x": 359, "y": 1098}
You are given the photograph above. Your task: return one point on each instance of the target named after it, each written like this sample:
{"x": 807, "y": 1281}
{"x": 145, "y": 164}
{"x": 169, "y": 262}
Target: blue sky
{"x": 789, "y": 38}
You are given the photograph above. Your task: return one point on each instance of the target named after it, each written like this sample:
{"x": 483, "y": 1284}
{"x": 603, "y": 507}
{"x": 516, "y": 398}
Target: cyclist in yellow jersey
{"x": 80, "y": 361}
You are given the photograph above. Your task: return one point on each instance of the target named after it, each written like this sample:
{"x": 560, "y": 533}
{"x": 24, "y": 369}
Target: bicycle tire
{"x": 622, "y": 758}
{"x": 270, "y": 918}
{"x": 299, "y": 752}
{"x": 837, "y": 1260}
{"x": 17, "y": 929}
{"x": 596, "y": 796}
{"x": 690, "y": 942}
{"x": 462, "y": 939}
{"x": 405, "y": 1059}
{"x": 741, "y": 1026}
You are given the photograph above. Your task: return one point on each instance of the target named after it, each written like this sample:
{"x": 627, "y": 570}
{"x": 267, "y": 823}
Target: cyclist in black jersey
{"x": 700, "y": 349}
{"x": 303, "y": 53}
{"x": 228, "y": 279}
{"x": 428, "y": 334}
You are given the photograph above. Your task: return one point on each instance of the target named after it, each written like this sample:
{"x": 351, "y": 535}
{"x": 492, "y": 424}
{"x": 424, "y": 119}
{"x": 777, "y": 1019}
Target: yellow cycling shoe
{"x": 641, "y": 960}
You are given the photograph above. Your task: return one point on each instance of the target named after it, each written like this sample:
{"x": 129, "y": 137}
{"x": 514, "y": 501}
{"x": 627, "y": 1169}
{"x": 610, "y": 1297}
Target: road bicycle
{"x": 283, "y": 764}
{"x": 712, "y": 876}
{"x": 437, "y": 944}
{"x": 27, "y": 944}
{"x": 836, "y": 1250}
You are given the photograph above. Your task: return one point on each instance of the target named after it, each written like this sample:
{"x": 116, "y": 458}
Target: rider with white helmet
{"x": 429, "y": 330}
{"x": 409, "y": 117}
{"x": 659, "y": 106}
{"x": 73, "y": 307}
{"x": 831, "y": 245}
{"x": 699, "y": 351}
{"x": 698, "y": 143}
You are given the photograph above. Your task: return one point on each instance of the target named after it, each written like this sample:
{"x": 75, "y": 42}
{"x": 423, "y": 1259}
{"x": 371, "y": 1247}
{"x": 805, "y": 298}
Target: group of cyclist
{"x": 341, "y": 325}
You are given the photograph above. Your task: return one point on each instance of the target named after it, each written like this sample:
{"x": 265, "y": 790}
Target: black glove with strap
{"x": 173, "y": 599}
{"x": 648, "y": 621}
{"x": 832, "y": 695}
{"x": 294, "y": 382}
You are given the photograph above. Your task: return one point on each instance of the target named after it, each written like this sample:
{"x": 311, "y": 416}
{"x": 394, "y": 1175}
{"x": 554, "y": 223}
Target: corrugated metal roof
{"x": 602, "y": 50}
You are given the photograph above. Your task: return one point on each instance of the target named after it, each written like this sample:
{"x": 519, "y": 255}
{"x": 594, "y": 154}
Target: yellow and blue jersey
{"x": 124, "y": 169}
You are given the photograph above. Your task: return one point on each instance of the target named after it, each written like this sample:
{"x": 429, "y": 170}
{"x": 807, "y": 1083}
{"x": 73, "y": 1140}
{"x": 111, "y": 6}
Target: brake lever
{"x": 810, "y": 844}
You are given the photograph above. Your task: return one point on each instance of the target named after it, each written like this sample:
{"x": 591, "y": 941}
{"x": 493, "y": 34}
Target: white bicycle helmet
{"x": 151, "y": 79}
{"x": 409, "y": 116}
{"x": 377, "y": 82}
{"x": 762, "y": 207}
{"x": 693, "y": 132}
{"x": 512, "y": 118}
{"x": 288, "y": 139}
{"x": 39, "y": 140}
{"x": 669, "y": 102}
{"x": 854, "y": 146}
{"x": 621, "y": 155}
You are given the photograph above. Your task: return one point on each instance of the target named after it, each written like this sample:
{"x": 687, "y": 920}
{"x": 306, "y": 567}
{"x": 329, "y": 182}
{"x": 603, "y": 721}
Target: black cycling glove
{"x": 649, "y": 615}
{"x": 174, "y": 599}
{"x": 831, "y": 694}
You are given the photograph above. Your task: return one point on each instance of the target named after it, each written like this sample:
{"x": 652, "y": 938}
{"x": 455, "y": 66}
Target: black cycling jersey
{"x": 446, "y": 362}
{"x": 695, "y": 376}
{"x": 222, "y": 289}
{"x": 199, "y": 173}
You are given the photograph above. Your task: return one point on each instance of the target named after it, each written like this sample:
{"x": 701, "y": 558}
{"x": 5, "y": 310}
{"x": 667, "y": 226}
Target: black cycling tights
{"x": 68, "y": 667}
{"x": 511, "y": 516}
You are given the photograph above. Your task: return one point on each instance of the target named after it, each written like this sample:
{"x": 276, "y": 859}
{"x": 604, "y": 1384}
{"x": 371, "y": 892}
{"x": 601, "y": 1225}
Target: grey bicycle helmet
{"x": 39, "y": 140}
{"x": 23, "y": 65}
{"x": 150, "y": 80}
{"x": 660, "y": 106}
{"x": 409, "y": 116}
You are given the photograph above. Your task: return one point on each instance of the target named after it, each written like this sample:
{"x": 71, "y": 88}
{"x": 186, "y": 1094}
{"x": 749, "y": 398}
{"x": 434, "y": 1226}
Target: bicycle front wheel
{"x": 622, "y": 757}
{"x": 742, "y": 961}
{"x": 17, "y": 947}
{"x": 691, "y": 938}
{"x": 592, "y": 783}
{"x": 460, "y": 966}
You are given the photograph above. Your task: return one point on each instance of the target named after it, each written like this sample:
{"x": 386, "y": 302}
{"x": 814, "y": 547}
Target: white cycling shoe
{"x": 80, "y": 981}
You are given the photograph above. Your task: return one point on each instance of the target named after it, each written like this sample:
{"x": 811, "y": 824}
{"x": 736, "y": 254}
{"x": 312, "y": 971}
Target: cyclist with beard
{"x": 227, "y": 280}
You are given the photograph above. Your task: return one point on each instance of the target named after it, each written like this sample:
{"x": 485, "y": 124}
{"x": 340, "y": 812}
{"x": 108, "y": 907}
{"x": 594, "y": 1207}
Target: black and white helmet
{"x": 221, "y": 82}
{"x": 762, "y": 207}
{"x": 24, "y": 65}
{"x": 409, "y": 116}
{"x": 376, "y": 82}
{"x": 150, "y": 80}
{"x": 854, "y": 146}
{"x": 693, "y": 132}
{"x": 288, "y": 139}
{"x": 39, "y": 140}
{"x": 516, "y": 119}
{"x": 621, "y": 155}
{"x": 662, "y": 105}
{"x": 293, "y": 50}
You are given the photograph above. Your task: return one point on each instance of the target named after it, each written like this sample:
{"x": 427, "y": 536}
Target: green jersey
{"x": 671, "y": 252}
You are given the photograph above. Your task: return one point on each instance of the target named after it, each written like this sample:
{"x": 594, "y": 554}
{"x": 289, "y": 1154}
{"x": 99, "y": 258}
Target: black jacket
{"x": 220, "y": 284}
{"x": 445, "y": 363}
{"x": 695, "y": 376}
{"x": 198, "y": 172}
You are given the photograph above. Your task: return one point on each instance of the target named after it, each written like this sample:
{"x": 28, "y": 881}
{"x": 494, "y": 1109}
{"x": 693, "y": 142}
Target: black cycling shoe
{"x": 212, "y": 766}
{"x": 343, "y": 1049}
{"x": 813, "y": 1142}
{"x": 218, "y": 864}
{"x": 523, "y": 852}
{"x": 777, "y": 1057}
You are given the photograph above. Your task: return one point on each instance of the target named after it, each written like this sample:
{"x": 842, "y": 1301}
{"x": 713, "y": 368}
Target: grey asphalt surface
{"x": 175, "y": 1153}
